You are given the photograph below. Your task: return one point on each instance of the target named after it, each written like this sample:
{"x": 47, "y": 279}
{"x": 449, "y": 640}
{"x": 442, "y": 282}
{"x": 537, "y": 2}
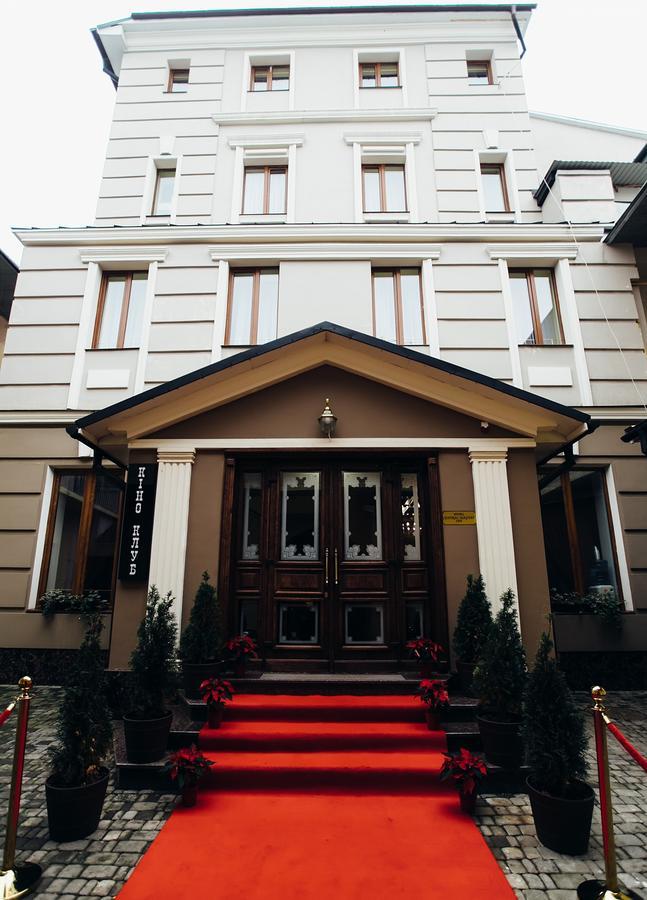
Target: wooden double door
{"x": 335, "y": 559}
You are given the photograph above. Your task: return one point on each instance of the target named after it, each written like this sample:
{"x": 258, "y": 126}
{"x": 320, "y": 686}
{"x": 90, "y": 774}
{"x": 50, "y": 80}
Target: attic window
{"x": 178, "y": 81}
{"x": 479, "y": 71}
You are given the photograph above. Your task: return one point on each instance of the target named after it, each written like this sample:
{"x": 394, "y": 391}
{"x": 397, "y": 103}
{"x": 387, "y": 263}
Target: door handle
{"x": 336, "y": 567}
{"x": 326, "y": 554}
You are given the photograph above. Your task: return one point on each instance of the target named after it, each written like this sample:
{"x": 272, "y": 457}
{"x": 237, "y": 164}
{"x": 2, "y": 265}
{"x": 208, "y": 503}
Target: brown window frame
{"x": 395, "y": 273}
{"x": 499, "y": 168}
{"x": 269, "y": 68}
{"x": 577, "y": 569}
{"x": 253, "y": 342}
{"x": 171, "y": 80}
{"x": 125, "y": 304}
{"x": 481, "y": 62}
{"x": 381, "y": 168}
{"x": 85, "y": 527}
{"x": 267, "y": 172}
{"x": 378, "y": 75}
{"x": 156, "y": 190}
{"x": 534, "y": 307}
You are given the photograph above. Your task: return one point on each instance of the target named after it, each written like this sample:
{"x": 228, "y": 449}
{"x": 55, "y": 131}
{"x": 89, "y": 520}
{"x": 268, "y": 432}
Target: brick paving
{"x": 99, "y": 865}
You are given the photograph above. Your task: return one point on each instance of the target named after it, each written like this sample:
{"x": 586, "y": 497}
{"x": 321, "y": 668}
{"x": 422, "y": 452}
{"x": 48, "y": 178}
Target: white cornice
{"x": 282, "y": 252}
{"x": 120, "y": 254}
{"x": 383, "y": 138}
{"x": 538, "y": 251}
{"x": 297, "y": 117}
{"x": 272, "y": 141}
{"x": 135, "y": 239}
{"x": 500, "y": 445}
{"x": 30, "y": 418}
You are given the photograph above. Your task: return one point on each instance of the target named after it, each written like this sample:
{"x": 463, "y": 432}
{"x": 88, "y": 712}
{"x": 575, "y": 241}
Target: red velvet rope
{"x": 631, "y": 750}
{"x": 5, "y": 715}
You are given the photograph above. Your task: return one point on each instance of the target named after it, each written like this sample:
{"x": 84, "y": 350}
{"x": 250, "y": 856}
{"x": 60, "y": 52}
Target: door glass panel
{"x": 299, "y": 623}
{"x": 300, "y": 515}
{"x": 414, "y": 621}
{"x": 66, "y": 532}
{"x": 362, "y": 516}
{"x": 410, "y": 511}
{"x": 103, "y": 537}
{"x": 251, "y": 515}
{"x": 249, "y": 618}
{"x": 364, "y": 624}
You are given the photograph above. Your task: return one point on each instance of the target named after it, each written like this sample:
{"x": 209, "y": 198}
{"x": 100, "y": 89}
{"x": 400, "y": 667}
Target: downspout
{"x": 515, "y": 22}
{"x": 567, "y": 450}
{"x": 75, "y": 433}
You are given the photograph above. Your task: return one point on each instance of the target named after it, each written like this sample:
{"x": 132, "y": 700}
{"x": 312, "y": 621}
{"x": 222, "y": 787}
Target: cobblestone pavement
{"x": 99, "y": 865}
{"x": 537, "y": 873}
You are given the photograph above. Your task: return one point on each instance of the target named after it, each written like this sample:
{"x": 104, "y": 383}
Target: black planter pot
{"x": 465, "y": 672}
{"x": 74, "y": 812}
{"x": 502, "y": 743}
{"x": 146, "y": 739}
{"x": 563, "y": 825}
{"x": 193, "y": 674}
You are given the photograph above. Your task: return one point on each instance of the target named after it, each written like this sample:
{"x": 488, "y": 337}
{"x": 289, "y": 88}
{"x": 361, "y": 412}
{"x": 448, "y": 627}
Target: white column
{"x": 493, "y": 522}
{"x": 168, "y": 550}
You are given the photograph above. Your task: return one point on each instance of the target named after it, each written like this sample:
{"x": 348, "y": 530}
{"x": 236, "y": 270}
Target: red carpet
{"x": 320, "y": 797}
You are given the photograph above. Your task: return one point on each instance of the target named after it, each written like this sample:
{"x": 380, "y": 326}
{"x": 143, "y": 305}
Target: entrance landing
{"x": 318, "y": 797}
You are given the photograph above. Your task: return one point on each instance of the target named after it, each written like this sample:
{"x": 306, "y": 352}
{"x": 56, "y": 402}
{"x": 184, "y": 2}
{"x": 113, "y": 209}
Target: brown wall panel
{"x": 19, "y": 511}
{"x": 24, "y": 443}
{"x": 633, "y": 510}
{"x": 530, "y": 558}
{"x": 461, "y": 544}
{"x": 17, "y": 549}
{"x": 61, "y": 632}
{"x": 129, "y": 609}
{"x": 18, "y": 477}
{"x": 13, "y": 588}
{"x": 605, "y": 441}
{"x": 636, "y": 544}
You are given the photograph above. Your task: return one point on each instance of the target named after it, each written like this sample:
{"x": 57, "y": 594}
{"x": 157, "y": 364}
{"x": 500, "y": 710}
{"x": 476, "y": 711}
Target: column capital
{"x": 499, "y": 455}
{"x": 169, "y": 455}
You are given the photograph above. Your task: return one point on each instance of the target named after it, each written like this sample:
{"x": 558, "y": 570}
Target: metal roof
{"x": 622, "y": 173}
{"x": 631, "y": 227}
{"x": 327, "y": 10}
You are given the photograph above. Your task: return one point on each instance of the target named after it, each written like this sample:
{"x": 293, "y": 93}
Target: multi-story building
{"x": 304, "y": 209}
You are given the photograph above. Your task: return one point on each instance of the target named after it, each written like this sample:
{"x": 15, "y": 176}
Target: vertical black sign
{"x": 137, "y": 528}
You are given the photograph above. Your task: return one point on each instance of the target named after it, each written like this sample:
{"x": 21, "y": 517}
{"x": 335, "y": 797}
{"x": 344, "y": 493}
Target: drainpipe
{"x": 515, "y": 22}
{"x": 75, "y": 432}
{"x": 569, "y": 456}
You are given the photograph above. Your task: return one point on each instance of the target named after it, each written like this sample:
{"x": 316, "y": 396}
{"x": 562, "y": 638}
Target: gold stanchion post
{"x": 17, "y": 881}
{"x": 610, "y": 889}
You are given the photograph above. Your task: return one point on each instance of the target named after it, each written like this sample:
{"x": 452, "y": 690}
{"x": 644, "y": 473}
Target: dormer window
{"x": 178, "y": 81}
{"x": 379, "y": 75}
{"x": 270, "y": 78}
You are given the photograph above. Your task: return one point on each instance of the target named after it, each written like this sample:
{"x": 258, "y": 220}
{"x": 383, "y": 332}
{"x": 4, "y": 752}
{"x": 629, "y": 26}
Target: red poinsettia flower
{"x": 465, "y": 768}
{"x": 187, "y": 766}
{"x": 216, "y": 691}
{"x": 433, "y": 692}
{"x": 425, "y": 648}
{"x": 242, "y": 645}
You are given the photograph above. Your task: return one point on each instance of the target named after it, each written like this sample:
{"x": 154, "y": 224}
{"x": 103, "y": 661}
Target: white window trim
{"x": 483, "y": 157}
{"x": 618, "y": 534}
{"x": 220, "y": 320}
{"x": 277, "y": 149}
{"x": 98, "y": 262}
{"x": 43, "y": 519}
{"x": 155, "y": 163}
{"x": 477, "y": 56}
{"x": 430, "y": 307}
{"x": 279, "y": 56}
{"x": 396, "y": 147}
{"x": 379, "y": 54}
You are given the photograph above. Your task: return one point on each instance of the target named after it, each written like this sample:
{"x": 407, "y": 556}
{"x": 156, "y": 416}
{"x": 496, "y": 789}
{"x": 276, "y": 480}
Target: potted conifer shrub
{"x": 76, "y": 787}
{"x": 201, "y": 640}
{"x": 499, "y": 682}
{"x": 154, "y": 680}
{"x": 473, "y": 624}
{"x": 555, "y": 741}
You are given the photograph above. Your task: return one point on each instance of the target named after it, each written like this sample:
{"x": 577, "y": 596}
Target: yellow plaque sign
{"x": 459, "y": 517}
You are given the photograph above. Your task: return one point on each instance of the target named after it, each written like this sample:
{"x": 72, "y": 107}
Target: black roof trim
{"x": 107, "y": 65}
{"x": 631, "y": 227}
{"x": 327, "y": 10}
{"x": 641, "y": 156}
{"x": 368, "y": 340}
{"x": 622, "y": 173}
{"x": 9, "y": 260}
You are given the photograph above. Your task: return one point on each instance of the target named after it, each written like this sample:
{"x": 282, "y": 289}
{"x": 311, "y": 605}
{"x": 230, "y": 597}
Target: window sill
{"x": 547, "y": 346}
{"x": 381, "y": 87}
{"x": 109, "y": 349}
{"x": 507, "y": 216}
{"x": 403, "y": 216}
{"x": 256, "y": 218}
{"x": 271, "y": 91}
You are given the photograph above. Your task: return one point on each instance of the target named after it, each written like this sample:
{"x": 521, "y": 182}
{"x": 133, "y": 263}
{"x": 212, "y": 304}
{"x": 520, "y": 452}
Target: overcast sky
{"x": 585, "y": 59}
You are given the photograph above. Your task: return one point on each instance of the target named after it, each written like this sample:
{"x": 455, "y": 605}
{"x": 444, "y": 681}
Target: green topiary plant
{"x": 154, "y": 659}
{"x": 500, "y": 676}
{"x": 202, "y": 638}
{"x": 553, "y": 729}
{"x": 84, "y": 730}
{"x": 473, "y": 622}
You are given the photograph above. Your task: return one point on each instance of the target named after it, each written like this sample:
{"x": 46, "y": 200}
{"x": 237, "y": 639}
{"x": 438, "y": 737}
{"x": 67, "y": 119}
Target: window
{"x": 379, "y": 74}
{"x": 253, "y": 307}
{"x": 270, "y": 78}
{"x": 163, "y": 194}
{"x": 384, "y": 188}
{"x": 479, "y": 71}
{"x": 82, "y": 531}
{"x": 580, "y": 552}
{"x": 534, "y": 300}
{"x": 120, "y": 314}
{"x": 495, "y": 191}
{"x": 178, "y": 81}
{"x": 265, "y": 190}
{"x": 397, "y": 306}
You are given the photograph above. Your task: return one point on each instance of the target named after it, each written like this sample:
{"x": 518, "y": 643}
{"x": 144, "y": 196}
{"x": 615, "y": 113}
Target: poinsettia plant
{"x": 433, "y": 693}
{"x": 187, "y": 766}
{"x": 242, "y": 646}
{"x": 465, "y": 769}
{"x": 425, "y": 649}
{"x": 216, "y": 691}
